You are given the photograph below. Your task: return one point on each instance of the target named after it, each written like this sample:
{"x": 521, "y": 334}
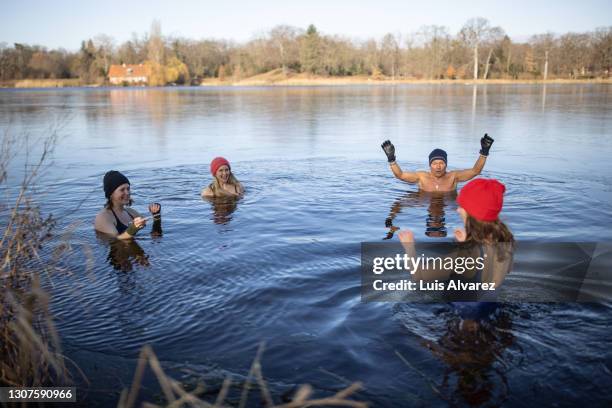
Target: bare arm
{"x": 408, "y": 176}
{"x": 104, "y": 224}
{"x": 207, "y": 192}
{"x": 389, "y": 149}
{"x": 468, "y": 174}
{"x": 485, "y": 145}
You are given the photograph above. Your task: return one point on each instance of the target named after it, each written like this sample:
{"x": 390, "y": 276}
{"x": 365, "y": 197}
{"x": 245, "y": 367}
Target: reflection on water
{"x": 123, "y": 255}
{"x": 164, "y": 127}
{"x": 473, "y": 353}
{"x": 435, "y": 220}
{"x": 222, "y": 208}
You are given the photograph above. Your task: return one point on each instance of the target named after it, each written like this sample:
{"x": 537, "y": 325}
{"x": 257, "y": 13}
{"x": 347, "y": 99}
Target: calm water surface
{"x": 282, "y": 264}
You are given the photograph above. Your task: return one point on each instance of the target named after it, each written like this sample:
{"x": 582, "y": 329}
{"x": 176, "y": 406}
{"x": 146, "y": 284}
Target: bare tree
{"x": 602, "y": 50}
{"x": 543, "y": 45}
{"x": 435, "y": 42}
{"x": 389, "y": 49}
{"x": 284, "y": 38}
{"x": 155, "y": 46}
{"x": 474, "y": 31}
{"x": 105, "y": 46}
{"x": 493, "y": 39}
{"x": 575, "y": 50}
{"x": 371, "y": 57}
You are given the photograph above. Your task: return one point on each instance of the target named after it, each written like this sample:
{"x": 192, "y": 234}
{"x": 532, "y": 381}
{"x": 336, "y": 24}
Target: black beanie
{"x": 112, "y": 180}
{"x": 437, "y": 154}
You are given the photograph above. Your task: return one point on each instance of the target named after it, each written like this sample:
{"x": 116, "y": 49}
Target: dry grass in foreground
{"x": 30, "y": 352}
{"x": 176, "y": 396}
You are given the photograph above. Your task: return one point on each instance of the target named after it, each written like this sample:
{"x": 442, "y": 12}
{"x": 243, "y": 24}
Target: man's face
{"x": 438, "y": 168}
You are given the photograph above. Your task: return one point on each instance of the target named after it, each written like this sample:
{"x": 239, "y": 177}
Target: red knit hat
{"x": 482, "y": 199}
{"x": 216, "y": 163}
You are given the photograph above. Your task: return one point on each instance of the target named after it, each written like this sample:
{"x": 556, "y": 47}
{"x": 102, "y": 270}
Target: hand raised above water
{"x": 154, "y": 208}
{"x": 485, "y": 144}
{"x": 389, "y": 150}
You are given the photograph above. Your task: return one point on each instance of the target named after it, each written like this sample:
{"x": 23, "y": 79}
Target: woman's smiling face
{"x": 121, "y": 195}
{"x": 223, "y": 173}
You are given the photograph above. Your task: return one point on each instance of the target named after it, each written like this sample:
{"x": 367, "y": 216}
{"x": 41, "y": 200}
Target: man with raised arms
{"x": 438, "y": 179}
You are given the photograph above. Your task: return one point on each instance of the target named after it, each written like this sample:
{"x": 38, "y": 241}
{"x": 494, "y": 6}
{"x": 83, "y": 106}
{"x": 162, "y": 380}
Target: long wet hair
{"x": 215, "y": 186}
{"x": 489, "y": 233}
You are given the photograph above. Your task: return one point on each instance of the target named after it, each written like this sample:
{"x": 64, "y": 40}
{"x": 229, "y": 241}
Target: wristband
{"x": 132, "y": 229}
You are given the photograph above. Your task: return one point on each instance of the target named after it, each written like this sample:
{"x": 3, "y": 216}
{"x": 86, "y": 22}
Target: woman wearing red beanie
{"x": 480, "y": 202}
{"x": 224, "y": 183}
{"x": 484, "y": 234}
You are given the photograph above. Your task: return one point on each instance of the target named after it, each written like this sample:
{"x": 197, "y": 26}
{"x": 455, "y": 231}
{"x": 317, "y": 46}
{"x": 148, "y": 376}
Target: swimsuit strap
{"x": 121, "y": 227}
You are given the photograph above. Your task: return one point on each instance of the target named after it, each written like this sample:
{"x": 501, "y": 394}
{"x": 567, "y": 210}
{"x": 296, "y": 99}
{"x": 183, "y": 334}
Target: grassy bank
{"x": 278, "y": 78}
{"x": 42, "y": 83}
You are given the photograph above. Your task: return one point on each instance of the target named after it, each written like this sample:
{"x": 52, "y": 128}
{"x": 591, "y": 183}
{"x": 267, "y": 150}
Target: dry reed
{"x": 30, "y": 352}
{"x": 176, "y": 396}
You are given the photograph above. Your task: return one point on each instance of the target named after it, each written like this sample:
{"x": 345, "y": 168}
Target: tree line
{"x": 478, "y": 51}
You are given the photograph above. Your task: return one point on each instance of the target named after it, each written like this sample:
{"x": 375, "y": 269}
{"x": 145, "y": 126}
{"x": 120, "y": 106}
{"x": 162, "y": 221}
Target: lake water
{"x": 282, "y": 264}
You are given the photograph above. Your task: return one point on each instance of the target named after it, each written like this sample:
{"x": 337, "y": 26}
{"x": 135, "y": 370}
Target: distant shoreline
{"x": 345, "y": 81}
{"x": 259, "y": 81}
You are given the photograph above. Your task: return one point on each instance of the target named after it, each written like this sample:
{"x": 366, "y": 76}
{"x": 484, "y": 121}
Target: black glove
{"x": 485, "y": 144}
{"x": 156, "y": 214}
{"x": 156, "y": 229}
{"x": 389, "y": 150}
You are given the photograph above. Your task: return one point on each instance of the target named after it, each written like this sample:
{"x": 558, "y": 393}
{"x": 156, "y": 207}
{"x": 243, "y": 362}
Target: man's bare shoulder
{"x": 452, "y": 174}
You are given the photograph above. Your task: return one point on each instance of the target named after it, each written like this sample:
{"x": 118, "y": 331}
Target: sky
{"x": 64, "y": 24}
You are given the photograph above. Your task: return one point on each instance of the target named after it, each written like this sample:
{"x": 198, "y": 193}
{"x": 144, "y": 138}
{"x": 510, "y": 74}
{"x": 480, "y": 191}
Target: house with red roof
{"x": 128, "y": 74}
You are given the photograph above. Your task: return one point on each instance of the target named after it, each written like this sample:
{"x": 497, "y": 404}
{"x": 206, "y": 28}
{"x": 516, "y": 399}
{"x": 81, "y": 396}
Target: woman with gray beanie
{"x": 117, "y": 218}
